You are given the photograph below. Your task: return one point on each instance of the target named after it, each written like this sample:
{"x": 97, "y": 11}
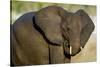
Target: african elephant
{"x": 49, "y": 36}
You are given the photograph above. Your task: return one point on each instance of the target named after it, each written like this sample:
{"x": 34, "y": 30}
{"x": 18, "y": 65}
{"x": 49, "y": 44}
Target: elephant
{"x": 50, "y": 35}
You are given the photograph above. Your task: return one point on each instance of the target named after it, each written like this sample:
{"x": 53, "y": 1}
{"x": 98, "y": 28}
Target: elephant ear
{"x": 87, "y": 27}
{"x": 49, "y": 22}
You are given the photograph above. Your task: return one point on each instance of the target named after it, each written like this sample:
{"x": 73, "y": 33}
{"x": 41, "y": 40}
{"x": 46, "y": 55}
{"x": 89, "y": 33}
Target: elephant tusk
{"x": 70, "y": 50}
{"x": 81, "y": 48}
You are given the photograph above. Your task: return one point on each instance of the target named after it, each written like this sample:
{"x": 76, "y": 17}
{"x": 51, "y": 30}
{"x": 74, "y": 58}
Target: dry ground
{"x": 88, "y": 54}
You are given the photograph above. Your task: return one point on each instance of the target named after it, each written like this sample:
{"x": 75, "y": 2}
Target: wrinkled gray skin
{"x": 38, "y": 38}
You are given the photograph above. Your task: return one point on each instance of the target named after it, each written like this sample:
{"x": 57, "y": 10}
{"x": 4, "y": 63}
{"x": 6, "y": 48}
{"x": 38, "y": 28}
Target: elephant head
{"x": 76, "y": 31}
{"x": 65, "y": 28}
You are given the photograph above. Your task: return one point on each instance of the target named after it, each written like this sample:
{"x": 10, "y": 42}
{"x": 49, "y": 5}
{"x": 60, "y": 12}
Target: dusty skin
{"x": 38, "y": 37}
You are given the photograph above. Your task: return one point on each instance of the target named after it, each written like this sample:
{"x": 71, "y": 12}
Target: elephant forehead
{"x": 74, "y": 21}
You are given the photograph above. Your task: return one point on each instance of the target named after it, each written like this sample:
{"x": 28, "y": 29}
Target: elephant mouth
{"x": 68, "y": 48}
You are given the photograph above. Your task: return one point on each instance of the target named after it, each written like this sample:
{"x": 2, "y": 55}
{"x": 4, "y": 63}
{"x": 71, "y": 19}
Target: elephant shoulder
{"x": 25, "y": 21}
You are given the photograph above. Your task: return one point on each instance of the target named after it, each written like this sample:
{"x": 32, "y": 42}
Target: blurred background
{"x": 88, "y": 54}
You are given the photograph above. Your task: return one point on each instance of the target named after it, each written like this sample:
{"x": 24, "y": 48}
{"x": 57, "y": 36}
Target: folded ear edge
{"x": 87, "y": 27}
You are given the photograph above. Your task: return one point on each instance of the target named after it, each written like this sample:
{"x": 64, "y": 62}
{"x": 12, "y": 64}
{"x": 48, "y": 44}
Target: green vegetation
{"x": 20, "y": 7}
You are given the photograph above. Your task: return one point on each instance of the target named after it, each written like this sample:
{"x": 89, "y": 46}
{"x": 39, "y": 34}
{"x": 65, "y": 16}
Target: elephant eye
{"x": 68, "y": 28}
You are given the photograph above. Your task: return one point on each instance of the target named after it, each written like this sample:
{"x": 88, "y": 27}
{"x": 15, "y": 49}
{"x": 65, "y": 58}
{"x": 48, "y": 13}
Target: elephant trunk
{"x": 72, "y": 48}
{"x": 75, "y": 47}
